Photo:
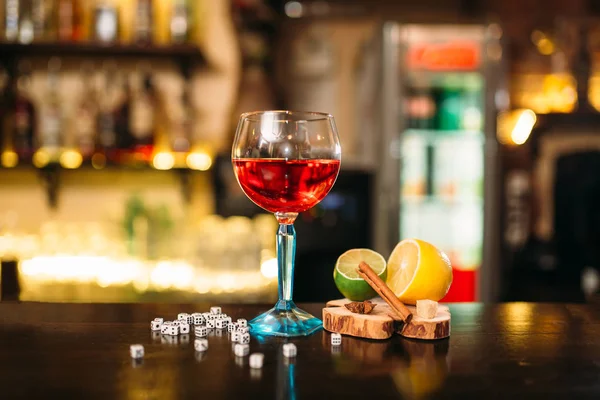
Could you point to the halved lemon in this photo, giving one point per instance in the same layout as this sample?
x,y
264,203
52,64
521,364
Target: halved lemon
x,y
418,270
347,280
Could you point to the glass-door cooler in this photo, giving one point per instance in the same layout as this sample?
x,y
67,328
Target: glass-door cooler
x,y
440,94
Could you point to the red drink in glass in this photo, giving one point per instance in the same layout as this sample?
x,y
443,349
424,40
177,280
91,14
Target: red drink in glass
x,y
280,185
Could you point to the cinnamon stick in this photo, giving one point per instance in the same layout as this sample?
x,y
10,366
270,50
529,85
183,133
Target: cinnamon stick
x,y
367,273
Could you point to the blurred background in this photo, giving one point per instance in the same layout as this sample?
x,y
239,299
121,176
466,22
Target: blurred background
x,y
470,124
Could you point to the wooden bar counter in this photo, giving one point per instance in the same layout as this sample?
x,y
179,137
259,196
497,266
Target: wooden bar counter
x,y
506,351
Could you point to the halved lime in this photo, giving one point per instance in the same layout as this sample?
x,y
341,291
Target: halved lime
x,y
346,278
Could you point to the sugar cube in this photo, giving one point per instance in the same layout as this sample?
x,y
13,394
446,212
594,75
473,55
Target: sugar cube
x,y
241,350
136,351
215,310
427,309
201,344
289,350
256,360
336,339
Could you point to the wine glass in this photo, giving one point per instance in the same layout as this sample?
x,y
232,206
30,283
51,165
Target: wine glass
x,y
286,162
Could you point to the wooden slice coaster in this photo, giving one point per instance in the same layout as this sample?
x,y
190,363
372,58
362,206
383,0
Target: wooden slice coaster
x,y
379,325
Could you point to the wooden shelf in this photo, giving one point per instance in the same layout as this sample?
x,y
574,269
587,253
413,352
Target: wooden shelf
x,y
186,51
50,175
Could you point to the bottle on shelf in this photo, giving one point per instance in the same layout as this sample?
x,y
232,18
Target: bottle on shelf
x,y
52,118
23,124
142,108
179,26
43,15
65,17
80,21
5,143
87,111
181,122
143,21
26,27
11,20
106,25
110,109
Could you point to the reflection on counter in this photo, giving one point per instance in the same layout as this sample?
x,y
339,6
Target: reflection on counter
x,y
225,259
417,368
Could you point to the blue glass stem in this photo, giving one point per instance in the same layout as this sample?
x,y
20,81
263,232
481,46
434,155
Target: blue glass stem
x,y
285,319
286,252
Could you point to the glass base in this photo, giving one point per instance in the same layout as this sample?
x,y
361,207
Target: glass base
x,y
285,319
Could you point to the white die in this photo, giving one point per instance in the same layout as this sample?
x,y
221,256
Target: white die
x,y
207,315
243,329
210,323
241,350
242,322
198,318
184,328
161,320
189,320
245,338
227,319
136,351
336,339
221,324
176,322
231,327
289,350
155,325
215,310
172,330
201,331
235,336
201,344
182,316
256,360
